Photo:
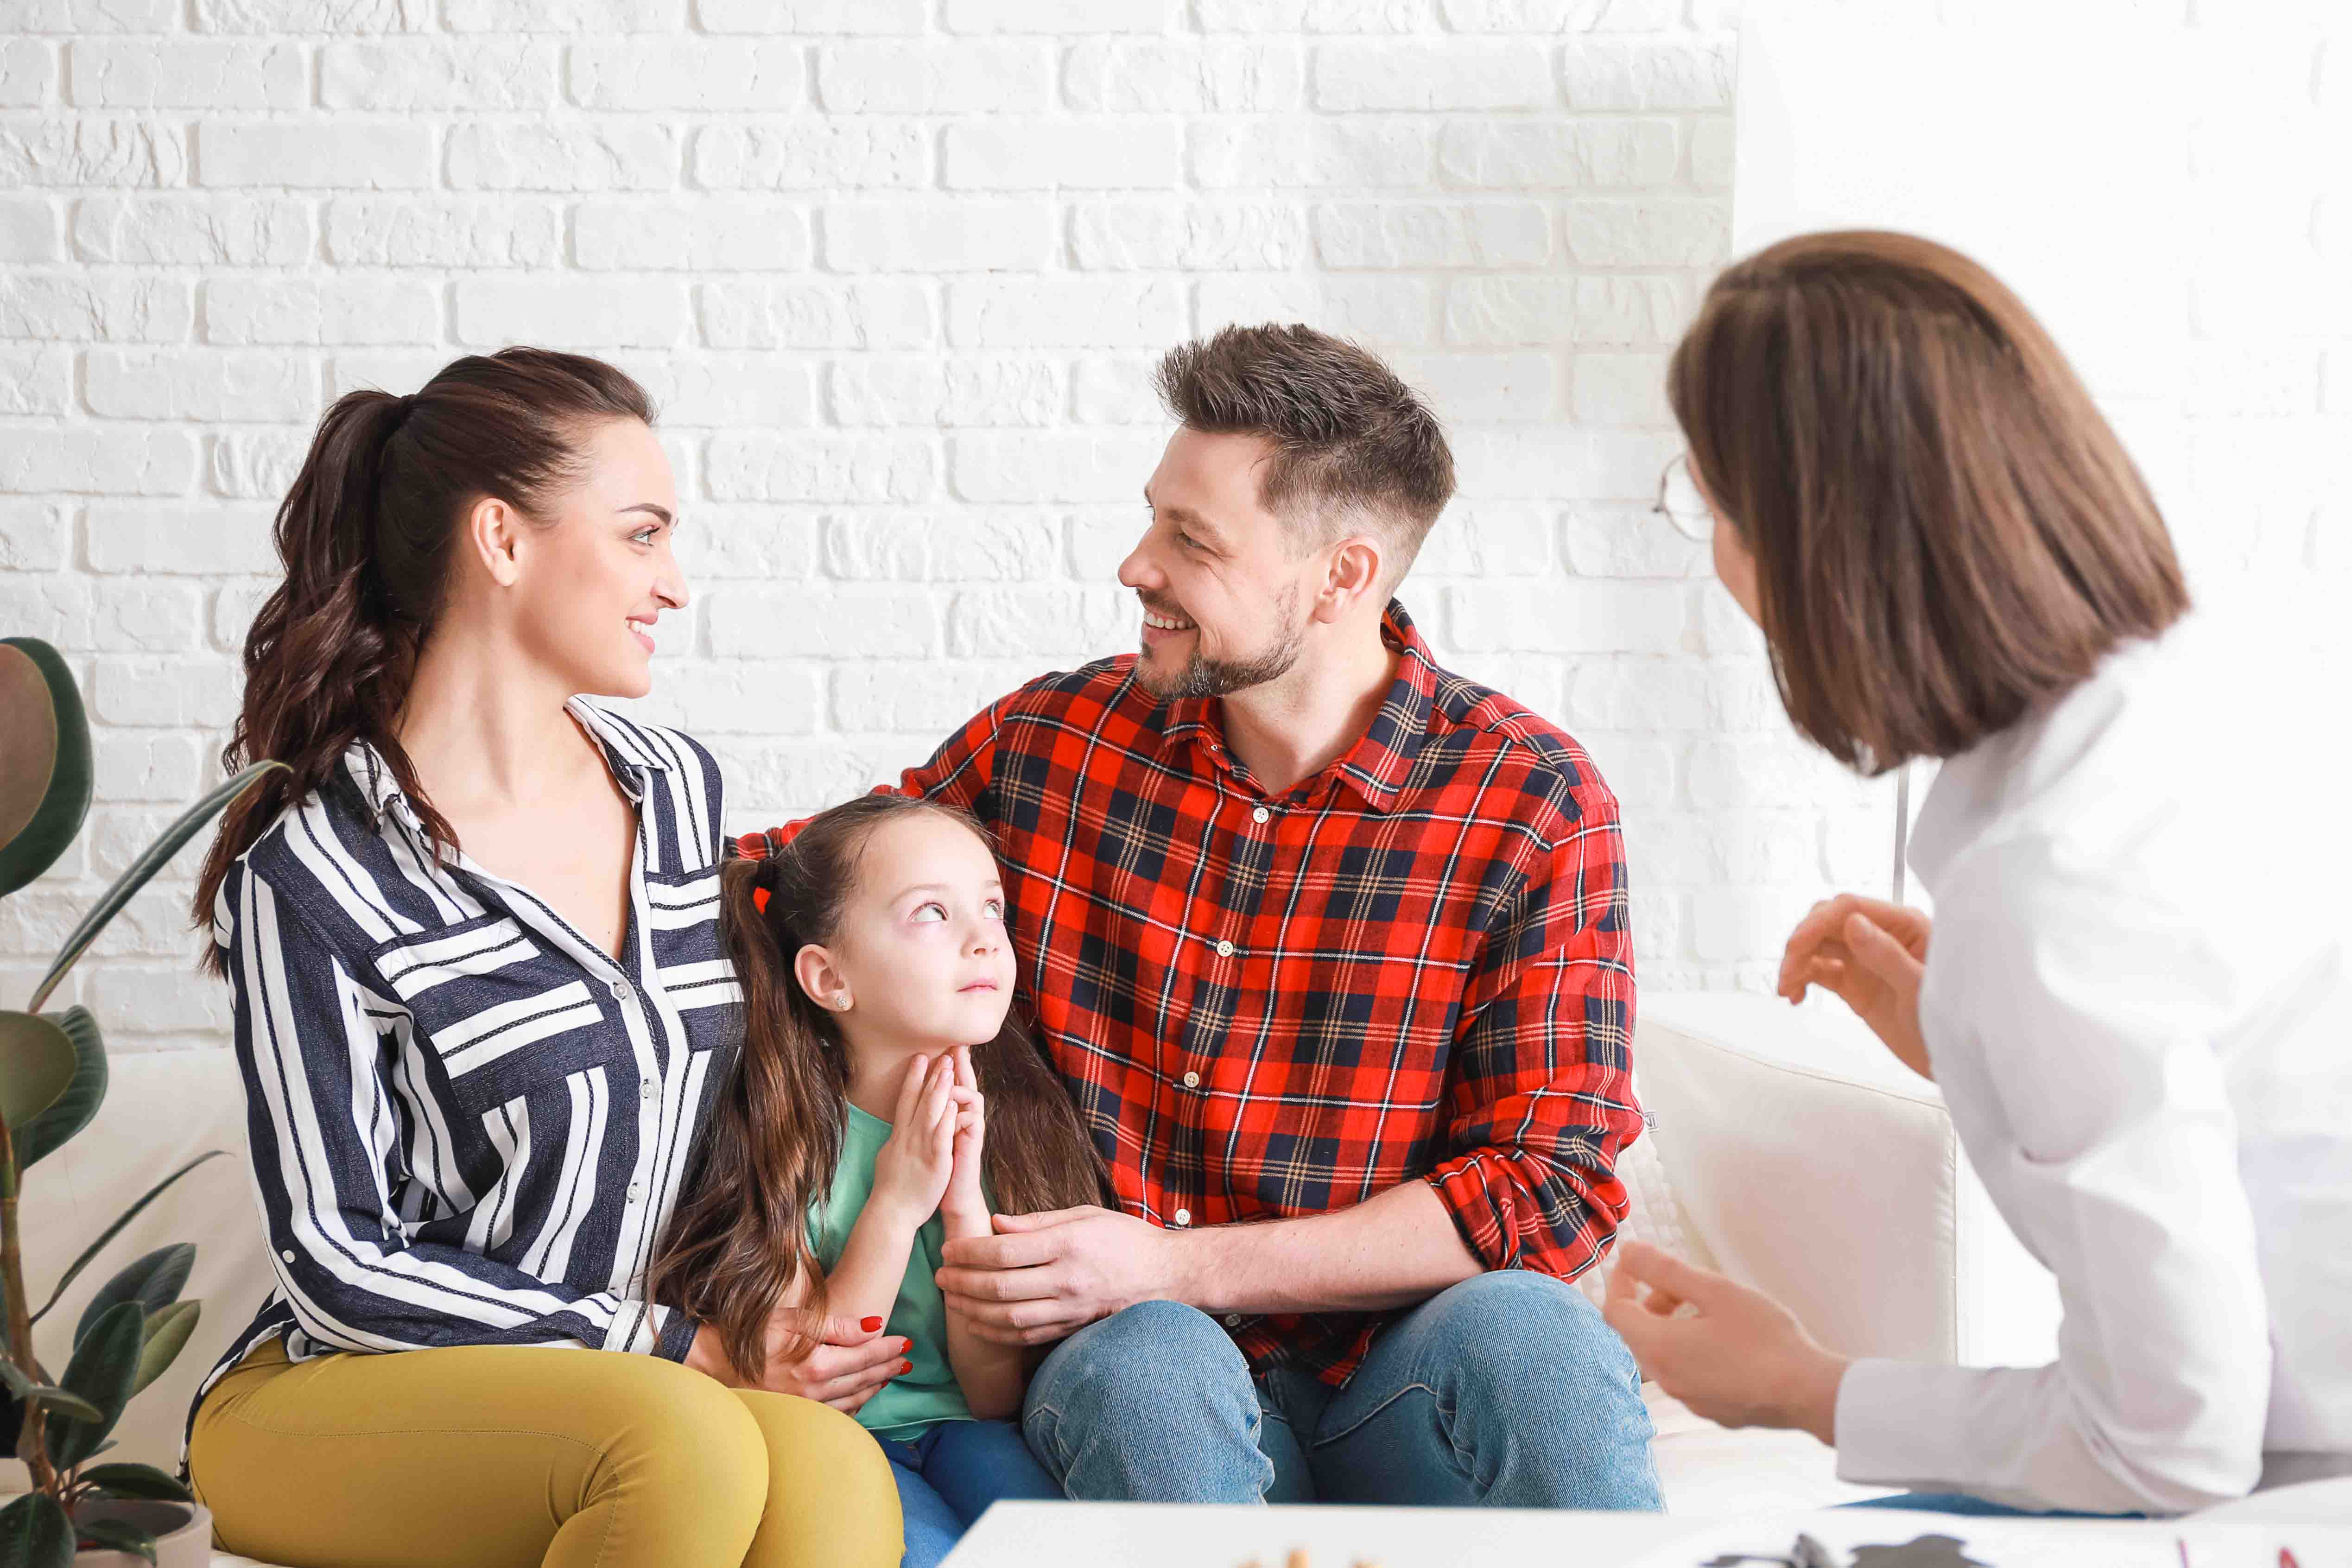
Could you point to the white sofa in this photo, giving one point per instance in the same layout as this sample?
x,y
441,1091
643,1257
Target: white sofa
x,y
1788,1150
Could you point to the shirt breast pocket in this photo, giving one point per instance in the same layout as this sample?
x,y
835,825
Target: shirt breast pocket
x,y
496,1010
682,931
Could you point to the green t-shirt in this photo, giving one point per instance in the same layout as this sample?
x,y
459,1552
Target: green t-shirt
x,y
912,1402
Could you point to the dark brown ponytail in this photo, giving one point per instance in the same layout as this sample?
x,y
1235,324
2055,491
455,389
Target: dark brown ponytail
x,y
365,536
738,1243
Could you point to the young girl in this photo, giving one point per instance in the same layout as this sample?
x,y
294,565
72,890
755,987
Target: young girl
x,y
883,1101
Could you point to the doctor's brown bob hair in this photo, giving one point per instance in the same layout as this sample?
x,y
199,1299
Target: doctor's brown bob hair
x,y
1947,533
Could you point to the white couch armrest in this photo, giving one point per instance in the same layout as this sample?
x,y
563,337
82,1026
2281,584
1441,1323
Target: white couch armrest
x,y
1804,1160
1811,1165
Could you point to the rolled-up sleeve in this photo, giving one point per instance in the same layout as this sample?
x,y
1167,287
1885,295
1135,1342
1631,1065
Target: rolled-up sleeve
x,y
323,1126
1541,1085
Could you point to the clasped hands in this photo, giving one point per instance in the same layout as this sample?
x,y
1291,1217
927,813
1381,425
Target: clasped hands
x,y
1018,1279
1732,1354
931,1165
1015,1279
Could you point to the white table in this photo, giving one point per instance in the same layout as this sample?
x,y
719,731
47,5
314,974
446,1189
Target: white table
x,y
1200,1535
1161,1535
2311,1502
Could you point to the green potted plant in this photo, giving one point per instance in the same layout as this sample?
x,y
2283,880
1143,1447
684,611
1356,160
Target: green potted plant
x,y
52,1081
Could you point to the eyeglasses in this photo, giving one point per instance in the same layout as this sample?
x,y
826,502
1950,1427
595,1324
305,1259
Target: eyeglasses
x,y
1680,504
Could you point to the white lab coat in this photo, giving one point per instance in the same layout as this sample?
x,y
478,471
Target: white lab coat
x,y
2138,1004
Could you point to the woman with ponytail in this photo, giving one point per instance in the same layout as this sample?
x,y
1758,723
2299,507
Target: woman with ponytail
x,y
482,1014
885,1101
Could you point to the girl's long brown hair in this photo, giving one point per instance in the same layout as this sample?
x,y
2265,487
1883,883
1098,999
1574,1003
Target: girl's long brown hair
x,y
738,1244
365,536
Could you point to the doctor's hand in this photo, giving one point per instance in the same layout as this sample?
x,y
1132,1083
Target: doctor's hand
x,y
1738,1359
1043,1277
1871,953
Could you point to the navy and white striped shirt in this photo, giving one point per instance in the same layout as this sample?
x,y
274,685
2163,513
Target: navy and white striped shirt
x,y
468,1123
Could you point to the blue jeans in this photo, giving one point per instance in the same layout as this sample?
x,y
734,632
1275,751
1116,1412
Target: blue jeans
x,y
1506,1390
949,1476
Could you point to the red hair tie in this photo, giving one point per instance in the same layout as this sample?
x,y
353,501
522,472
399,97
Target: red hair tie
x,y
760,900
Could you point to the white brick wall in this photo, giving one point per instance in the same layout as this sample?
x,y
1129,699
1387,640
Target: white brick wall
x,y
897,271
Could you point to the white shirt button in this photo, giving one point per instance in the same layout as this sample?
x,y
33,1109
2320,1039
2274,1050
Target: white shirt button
x,y
287,1256
1233,1320
1224,949
1184,1217
620,990
636,1191
1261,815
1191,1080
646,1089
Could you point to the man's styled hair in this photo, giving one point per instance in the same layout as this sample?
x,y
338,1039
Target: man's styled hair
x,y
1354,446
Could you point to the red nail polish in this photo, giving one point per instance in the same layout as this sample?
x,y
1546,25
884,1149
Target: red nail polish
x,y
905,1367
871,1325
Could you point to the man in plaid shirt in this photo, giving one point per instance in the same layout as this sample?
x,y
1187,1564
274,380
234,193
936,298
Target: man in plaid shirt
x,y
1331,947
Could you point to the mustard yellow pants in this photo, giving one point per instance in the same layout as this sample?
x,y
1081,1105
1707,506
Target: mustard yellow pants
x,y
503,1456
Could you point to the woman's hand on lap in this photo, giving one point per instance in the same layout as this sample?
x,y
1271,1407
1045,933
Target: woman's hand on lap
x,y
849,1364
1871,953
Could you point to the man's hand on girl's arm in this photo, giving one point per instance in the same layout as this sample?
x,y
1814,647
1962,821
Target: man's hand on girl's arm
x,y
1043,1277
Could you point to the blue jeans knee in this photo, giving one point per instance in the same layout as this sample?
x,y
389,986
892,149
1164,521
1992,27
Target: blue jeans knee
x,y
1153,1404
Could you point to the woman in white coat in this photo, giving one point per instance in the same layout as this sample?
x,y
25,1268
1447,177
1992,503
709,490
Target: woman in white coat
x,y
2137,993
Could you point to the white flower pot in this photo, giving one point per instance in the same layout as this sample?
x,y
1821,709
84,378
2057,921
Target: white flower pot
x,y
182,1532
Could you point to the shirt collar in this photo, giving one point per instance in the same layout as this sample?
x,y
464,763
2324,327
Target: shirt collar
x,y
1379,765
630,760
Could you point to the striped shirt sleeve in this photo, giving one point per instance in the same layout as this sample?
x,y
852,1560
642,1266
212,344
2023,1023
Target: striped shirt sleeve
x,y
325,1141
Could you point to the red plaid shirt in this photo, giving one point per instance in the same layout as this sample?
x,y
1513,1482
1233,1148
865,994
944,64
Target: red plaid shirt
x,y
1414,966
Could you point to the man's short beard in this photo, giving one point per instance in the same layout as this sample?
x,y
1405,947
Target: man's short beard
x,y
1202,678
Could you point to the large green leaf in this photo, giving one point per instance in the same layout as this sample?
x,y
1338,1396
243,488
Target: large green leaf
x,y
101,1369
44,760
22,1388
35,1534
112,1231
136,1481
36,1066
150,860
167,1333
120,1536
154,1282
53,1128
